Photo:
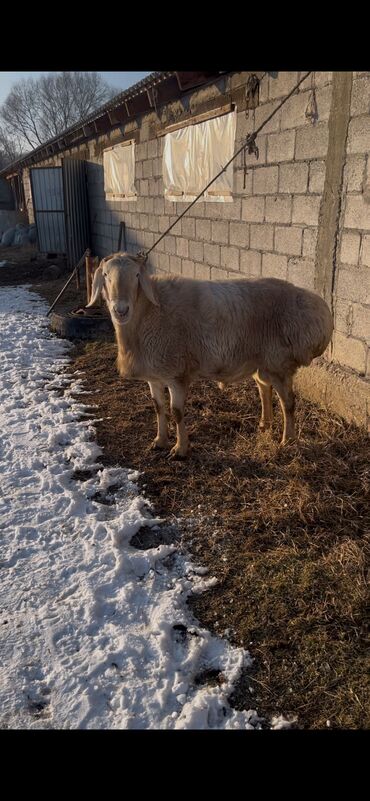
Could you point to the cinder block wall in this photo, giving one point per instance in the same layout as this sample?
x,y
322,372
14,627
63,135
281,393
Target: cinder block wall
x,y
352,279
272,226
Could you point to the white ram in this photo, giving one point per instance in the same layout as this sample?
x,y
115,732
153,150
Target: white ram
x,y
171,331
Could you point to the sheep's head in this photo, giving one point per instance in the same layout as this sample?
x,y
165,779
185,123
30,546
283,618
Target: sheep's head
x,y
119,279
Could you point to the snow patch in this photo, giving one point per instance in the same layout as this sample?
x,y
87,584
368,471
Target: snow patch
x,y
95,634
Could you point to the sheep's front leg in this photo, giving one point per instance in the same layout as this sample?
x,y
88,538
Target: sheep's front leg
x,y
159,400
265,391
178,392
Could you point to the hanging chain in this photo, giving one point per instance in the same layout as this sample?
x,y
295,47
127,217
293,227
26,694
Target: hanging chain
x,y
311,110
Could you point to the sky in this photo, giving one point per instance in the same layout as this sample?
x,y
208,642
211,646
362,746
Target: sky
x,y
119,80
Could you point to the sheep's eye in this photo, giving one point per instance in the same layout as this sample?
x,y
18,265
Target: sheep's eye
x,y
105,275
137,275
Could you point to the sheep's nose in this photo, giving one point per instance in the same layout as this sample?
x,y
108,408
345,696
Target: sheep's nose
x,y
120,312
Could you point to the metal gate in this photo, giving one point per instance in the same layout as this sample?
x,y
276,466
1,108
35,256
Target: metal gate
x,y
48,206
76,208
61,209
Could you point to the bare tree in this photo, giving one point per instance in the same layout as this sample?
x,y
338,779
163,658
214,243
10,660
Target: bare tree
x,y
38,110
10,149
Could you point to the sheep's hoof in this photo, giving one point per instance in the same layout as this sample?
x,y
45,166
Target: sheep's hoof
x,y
159,445
175,453
264,426
288,440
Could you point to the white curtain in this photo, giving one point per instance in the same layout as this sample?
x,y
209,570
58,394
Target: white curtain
x,y
119,171
193,155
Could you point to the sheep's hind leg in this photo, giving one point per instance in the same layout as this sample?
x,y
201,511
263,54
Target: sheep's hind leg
x,y
284,389
265,391
178,392
159,400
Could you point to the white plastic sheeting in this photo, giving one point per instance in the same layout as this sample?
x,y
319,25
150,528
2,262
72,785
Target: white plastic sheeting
x,y
193,155
119,171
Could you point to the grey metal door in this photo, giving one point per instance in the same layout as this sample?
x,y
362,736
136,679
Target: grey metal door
x,y
48,206
77,221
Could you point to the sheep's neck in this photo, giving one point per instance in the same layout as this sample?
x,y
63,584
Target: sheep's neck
x,y
126,354
128,341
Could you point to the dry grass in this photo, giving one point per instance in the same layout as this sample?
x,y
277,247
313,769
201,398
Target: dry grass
x,y
285,531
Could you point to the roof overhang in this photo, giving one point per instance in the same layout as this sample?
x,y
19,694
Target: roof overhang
x,y
149,94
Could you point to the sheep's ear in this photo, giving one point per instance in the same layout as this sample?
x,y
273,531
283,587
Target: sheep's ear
x,y
98,283
147,285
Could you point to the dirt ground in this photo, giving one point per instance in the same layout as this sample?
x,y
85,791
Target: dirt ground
x,y
285,532
26,266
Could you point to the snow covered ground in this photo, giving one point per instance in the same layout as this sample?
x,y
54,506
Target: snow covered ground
x,y
86,620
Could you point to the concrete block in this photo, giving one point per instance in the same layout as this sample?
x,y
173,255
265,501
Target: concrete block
x,y
261,237
188,227
354,173
288,240
317,176
353,284
306,209
212,254
230,258
158,205
293,178
312,141
182,246
218,275
239,234
262,112
278,209
274,266
170,245
309,242
282,84
253,209
242,187
148,169
357,213
365,251
359,135
280,146
265,180
350,352
196,251
352,319
360,98
203,272
250,263
301,272
350,248
152,148
220,231
188,268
